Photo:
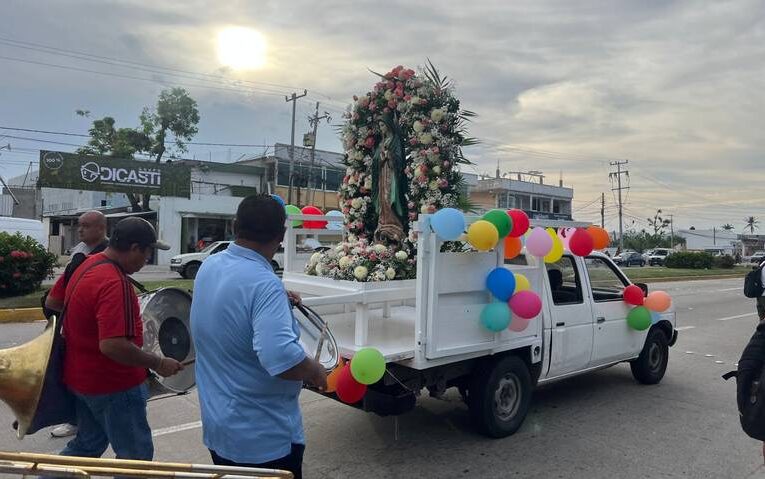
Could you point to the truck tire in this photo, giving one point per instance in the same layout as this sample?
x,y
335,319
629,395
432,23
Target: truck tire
x,y
650,366
191,270
499,396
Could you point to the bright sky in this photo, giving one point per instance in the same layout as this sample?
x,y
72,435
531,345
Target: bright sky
x,y
678,88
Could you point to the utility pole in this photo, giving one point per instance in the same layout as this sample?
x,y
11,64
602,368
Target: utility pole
x,y
602,210
672,231
618,176
292,99
314,122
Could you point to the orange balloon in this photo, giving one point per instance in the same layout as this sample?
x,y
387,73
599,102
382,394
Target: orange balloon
x,y
332,377
600,237
657,301
513,247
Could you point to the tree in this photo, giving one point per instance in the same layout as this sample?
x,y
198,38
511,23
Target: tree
x,y
728,227
658,223
752,223
175,115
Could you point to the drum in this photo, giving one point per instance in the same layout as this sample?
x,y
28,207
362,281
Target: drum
x,y
167,332
316,337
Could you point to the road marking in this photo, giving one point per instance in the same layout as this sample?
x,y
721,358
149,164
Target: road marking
x,y
173,429
737,317
719,362
709,355
684,328
727,289
689,352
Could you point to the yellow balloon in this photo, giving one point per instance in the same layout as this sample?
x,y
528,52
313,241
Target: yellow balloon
x,y
522,283
483,235
556,253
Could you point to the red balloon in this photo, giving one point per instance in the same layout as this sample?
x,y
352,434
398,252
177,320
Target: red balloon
x,y
580,243
520,223
313,225
348,389
634,295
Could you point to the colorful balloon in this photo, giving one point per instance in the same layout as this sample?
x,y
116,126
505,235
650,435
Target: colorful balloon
x,y
501,283
348,389
580,243
294,210
556,253
526,304
513,247
655,317
518,324
639,318
600,238
495,316
522,283
520,223
332,377
564,234
278,199
368,366
633,295
313,225
539,243
658,301
448,223
483,235
335,225
501,220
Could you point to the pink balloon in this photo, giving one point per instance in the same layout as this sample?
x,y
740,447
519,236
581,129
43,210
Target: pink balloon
x,y
539,243
565,235
518,324
525,304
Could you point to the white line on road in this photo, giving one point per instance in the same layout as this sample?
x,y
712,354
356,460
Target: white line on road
x,y
684,328
173,429
737,317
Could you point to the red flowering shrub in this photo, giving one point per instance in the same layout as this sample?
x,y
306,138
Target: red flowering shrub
x,y
24,263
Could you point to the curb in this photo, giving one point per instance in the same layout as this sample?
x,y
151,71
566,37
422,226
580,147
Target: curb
x,y
21,315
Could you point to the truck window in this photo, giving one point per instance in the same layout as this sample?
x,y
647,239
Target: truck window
x,y
565,285
607,283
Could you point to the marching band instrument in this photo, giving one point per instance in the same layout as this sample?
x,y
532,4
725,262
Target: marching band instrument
x,y
317,337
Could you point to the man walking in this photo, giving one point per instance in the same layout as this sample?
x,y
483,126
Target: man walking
x,y
250,365
761,303
104,365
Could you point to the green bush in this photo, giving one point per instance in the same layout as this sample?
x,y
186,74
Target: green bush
x,y
24,263
690,260
726,261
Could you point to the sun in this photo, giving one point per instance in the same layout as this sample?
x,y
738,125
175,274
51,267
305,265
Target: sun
x,y
241,48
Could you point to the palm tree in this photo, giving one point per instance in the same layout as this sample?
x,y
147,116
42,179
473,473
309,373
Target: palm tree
x,y
728,227
752,223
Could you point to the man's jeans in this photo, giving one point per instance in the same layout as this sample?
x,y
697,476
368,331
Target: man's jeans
x,y
118,419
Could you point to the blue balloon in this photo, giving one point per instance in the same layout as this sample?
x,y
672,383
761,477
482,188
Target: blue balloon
x,y
496,316
501,283
279,199
655,317
335,225
448,223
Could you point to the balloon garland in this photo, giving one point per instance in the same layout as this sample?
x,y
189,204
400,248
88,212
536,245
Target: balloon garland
x,y
647,308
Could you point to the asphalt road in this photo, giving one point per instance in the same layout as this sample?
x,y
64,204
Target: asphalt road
x,y
603,425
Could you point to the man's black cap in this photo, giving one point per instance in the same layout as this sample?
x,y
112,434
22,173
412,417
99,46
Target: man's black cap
x,y
137,230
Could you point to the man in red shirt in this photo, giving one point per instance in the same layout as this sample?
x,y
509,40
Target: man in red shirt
x,y
104,365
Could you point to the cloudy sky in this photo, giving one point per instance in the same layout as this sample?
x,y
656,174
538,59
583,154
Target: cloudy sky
x,y
676,87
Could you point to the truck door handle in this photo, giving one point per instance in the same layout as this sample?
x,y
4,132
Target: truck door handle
x,y
559,325
601,319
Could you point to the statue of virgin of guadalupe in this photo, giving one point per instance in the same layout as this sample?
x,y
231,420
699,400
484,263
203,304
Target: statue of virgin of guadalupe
x,y
388,184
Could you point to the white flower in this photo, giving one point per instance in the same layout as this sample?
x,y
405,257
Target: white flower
x,y
433,185
360,273
356,203
344,262
415,100
352,180
318,269
418,127
437,170
390,273
315,258
388,94
368,183
437,115
426,138
379,248
424,209
401,255
339,248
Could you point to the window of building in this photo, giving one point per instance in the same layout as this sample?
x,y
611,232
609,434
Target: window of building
x,y
540,204
522,202
505,200
561,207
607,284
565,284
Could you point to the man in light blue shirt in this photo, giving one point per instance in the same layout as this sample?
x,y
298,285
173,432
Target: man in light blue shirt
x,y
249,363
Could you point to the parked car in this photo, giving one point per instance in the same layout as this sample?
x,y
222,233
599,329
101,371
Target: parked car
x,y
630,259
658,256
187,265
758,257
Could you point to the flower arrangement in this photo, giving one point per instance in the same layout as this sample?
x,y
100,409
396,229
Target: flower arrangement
x,y
357,260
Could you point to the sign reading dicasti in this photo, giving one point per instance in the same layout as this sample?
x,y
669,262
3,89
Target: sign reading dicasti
x,y
100,173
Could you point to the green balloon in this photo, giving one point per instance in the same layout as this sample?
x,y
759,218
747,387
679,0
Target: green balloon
x,y
496,316
368,366
501,220
294,210
639,318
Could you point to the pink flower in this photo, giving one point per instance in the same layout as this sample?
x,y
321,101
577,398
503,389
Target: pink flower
x,y
392,104
346,211
411,205
412,216
422,179
372,106
17,275
435,150
369,142
386,110
390,85
355,116
413,141
373,256
399,93
423,169
446,164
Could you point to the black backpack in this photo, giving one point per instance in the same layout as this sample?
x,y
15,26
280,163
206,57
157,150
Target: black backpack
x,y
753,287
750,385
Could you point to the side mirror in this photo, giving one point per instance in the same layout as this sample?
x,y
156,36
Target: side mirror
x,y
643,286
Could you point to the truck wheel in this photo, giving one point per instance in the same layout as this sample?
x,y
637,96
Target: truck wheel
x,y
650,366
499,397
191,270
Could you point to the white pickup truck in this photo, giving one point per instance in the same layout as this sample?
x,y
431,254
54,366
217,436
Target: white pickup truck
x,y
429,332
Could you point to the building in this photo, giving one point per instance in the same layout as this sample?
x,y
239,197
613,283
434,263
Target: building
x,y
317,175
537,199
